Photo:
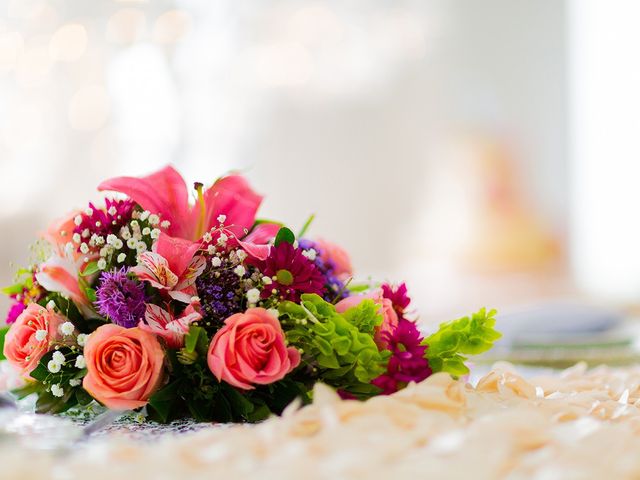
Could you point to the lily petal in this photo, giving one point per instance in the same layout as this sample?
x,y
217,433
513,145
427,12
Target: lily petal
x,y
263,233
163,193
233,197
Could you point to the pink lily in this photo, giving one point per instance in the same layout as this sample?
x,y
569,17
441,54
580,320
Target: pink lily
x,y
165,193
162,323
61,274
229,198
256,243
172,266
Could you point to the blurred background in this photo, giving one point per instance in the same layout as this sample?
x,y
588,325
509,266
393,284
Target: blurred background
x,y
484,151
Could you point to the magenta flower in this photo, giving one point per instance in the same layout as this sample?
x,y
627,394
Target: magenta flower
x,y
292,273
14,312
407,362
398,296
104,221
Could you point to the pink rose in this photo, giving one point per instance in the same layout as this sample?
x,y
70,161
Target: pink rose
x,y
389,315
251,349
30,337
338,256
124,366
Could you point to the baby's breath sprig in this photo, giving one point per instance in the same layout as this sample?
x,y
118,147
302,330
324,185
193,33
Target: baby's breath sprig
x,y
122,247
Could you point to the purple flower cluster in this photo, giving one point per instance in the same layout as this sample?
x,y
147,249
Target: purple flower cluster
x,y
220,292
104,221
120,298
335,288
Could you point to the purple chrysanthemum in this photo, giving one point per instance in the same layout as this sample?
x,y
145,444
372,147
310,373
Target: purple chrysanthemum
x,y
293,274
335,288
220,292
407,362
107,220
120,298
14,312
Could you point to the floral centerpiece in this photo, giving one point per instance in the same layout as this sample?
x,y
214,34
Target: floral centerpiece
x,y
198,309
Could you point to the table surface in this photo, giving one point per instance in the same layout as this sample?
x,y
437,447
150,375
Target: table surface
x,y
512,424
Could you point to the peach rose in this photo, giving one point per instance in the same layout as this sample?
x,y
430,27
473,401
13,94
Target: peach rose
x,y
389,315
124,366
30,337
338,256
250,349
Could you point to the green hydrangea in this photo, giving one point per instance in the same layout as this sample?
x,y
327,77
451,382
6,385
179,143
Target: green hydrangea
x,y
341,346
448,347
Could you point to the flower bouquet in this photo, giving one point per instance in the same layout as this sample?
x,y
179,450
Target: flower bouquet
x,y
198,309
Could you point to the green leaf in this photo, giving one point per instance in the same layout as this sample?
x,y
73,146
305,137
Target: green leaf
x,y
83,397
90,269
163,400
284,235
48,403
191,338
13,289
91,294
240,404
260,221
449,346
41,372
306,226
3,333
200,410
28,389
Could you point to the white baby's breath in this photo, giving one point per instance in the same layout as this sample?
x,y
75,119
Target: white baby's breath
x,y
80,362
66,329
53,366
58,357
57,390
253,295
81,339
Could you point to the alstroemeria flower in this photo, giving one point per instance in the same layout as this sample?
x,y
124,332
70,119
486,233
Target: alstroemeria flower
x,y
172,266
162,323
62,274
